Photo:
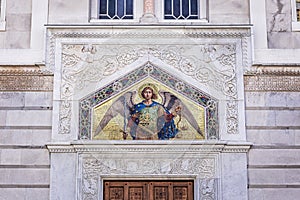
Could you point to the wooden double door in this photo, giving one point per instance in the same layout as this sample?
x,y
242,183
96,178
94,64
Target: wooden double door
x,y
149,190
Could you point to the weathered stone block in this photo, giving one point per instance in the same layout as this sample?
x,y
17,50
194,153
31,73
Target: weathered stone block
x,y
25,137
76,11
274,176
297,137
24,193
3,115
12,99
272,99
274,157
43,99
20,6
13,193
272,118
24,157
29,118
287,118
18,22
24,176
236,11
279,22
281,40
273,137
2,39
260,118
274,193
18,40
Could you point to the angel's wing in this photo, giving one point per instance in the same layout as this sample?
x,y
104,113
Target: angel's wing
x,y
170,102
121,106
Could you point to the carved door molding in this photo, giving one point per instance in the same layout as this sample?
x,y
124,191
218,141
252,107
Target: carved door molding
x,y
149,190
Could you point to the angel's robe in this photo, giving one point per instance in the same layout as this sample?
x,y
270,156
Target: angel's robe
x,y
151,122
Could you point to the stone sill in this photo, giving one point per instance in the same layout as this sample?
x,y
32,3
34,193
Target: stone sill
x,y
151,22
151,26
295,26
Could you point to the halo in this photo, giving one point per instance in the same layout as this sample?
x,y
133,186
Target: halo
x,y
153,86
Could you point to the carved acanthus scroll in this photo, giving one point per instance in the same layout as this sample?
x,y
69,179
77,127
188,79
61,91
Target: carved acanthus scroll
x,y
94,168
82,65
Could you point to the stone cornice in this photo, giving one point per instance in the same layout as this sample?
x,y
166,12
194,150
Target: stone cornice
x,y
149,147
29,70
142,26
285,70
144,32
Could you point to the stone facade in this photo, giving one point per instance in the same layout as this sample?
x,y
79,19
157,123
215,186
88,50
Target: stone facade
x,y
253,74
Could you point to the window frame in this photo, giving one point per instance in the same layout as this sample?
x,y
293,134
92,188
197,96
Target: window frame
x,y
2,15
202,10
138,11
94,13
295,22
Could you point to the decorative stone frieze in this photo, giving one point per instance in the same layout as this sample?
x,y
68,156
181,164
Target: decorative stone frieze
x,y
95,168
273,78
215,64
213,32
178,148
25,78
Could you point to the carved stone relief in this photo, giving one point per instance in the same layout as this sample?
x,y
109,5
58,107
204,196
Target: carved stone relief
x,y
24,78
96,167
211,64
94,58
214,65
273,78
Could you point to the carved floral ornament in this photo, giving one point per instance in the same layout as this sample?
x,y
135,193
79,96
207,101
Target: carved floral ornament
x,y
199,161
95,168
213,65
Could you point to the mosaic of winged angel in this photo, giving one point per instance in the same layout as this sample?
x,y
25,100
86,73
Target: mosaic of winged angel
x,y
149,119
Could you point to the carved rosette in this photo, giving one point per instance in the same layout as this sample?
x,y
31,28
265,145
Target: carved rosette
x,y
94,168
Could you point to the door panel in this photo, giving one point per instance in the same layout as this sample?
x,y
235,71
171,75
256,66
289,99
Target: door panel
x,y
148,190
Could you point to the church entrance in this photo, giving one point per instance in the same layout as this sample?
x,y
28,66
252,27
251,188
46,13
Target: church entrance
x,y
149,190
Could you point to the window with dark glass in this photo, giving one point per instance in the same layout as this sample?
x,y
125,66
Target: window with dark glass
x,y
181,9
116,9
0,7
298,10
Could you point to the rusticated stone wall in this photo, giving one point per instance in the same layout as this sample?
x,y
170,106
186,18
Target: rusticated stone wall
x,y
272,97
25,128
272,124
